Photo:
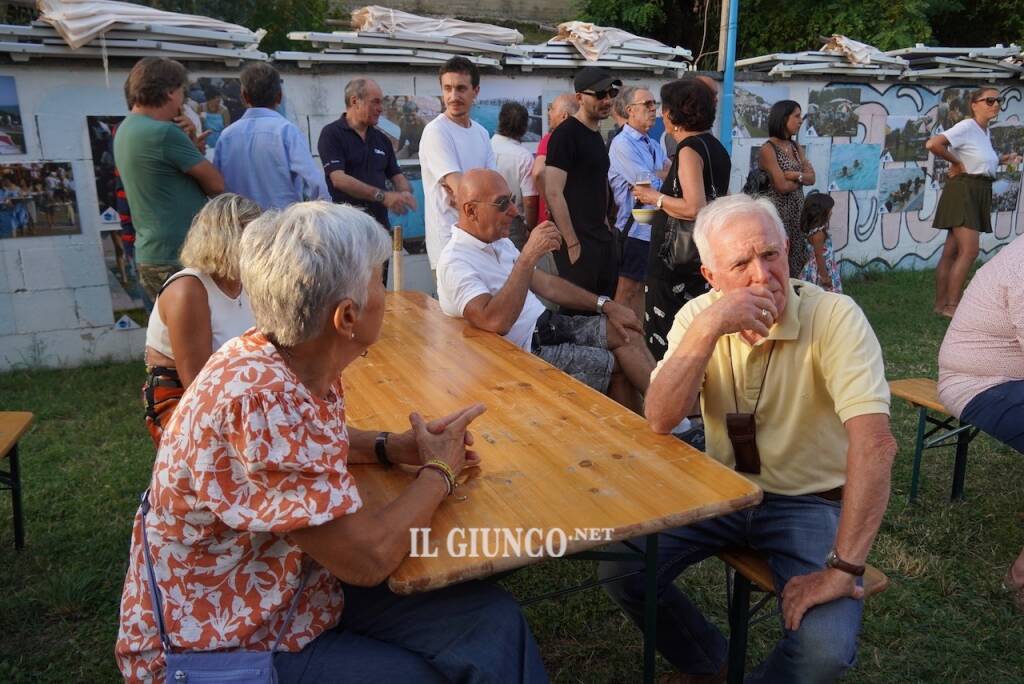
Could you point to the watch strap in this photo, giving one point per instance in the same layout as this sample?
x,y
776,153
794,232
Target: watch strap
x,y
834,561
380,448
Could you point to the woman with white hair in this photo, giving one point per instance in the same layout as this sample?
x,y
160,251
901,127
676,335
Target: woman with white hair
x,y
257,538
199,308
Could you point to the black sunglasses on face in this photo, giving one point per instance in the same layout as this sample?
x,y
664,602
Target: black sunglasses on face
x,y
990,100
502,204
601,94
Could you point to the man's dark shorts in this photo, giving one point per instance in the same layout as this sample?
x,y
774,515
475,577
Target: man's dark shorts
x,y
633,264
577,345
597,269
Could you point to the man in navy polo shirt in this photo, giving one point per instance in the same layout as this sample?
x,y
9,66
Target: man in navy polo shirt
x,y
359,159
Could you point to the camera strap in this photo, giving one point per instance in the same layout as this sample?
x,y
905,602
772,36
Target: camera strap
x,y
732,374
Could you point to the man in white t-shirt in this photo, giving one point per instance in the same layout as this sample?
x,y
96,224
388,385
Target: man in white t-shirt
x,y
483,278
515,164
451,145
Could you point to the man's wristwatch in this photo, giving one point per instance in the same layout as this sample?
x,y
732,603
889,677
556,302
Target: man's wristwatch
x,y
601,301
834,561
661,201
378,196
380,448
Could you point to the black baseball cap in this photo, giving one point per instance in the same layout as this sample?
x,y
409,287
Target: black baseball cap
x,y
594,78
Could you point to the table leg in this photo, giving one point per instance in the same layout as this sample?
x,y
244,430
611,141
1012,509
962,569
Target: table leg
x,y
963,441
739,621
19,522
922,415
650,607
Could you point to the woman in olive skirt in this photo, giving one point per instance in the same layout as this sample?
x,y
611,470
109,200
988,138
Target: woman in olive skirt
x,y
965,207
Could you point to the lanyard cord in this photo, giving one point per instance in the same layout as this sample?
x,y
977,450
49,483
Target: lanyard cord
x,y
732,374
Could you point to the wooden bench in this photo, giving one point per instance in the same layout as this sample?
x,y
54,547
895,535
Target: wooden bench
x,y
922,393
752,572
13,424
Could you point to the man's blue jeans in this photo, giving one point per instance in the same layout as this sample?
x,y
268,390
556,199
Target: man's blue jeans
x,y
470,632
796,533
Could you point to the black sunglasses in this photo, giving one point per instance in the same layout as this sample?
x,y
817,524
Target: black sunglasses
x,y
990,100
601,94
502,204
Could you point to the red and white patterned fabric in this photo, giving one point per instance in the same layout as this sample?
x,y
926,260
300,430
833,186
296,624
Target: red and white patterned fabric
x,y
248,456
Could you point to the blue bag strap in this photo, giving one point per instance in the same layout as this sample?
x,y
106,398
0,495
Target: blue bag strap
x,y
157,598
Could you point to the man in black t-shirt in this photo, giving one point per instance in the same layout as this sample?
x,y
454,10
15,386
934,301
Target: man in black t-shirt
x,y
576,187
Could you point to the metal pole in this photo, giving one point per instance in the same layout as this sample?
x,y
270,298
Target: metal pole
x,y
725,131
723,34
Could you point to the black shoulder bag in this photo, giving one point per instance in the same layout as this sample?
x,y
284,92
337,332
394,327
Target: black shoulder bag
x,y
678,248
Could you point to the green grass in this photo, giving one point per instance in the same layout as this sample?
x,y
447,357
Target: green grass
x,y
942,620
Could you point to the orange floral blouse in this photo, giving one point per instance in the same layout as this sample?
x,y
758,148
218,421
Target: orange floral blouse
x,y
248,455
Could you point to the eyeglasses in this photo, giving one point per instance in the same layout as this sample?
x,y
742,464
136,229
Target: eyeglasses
x,y
602,94
990,100
649,104
502,204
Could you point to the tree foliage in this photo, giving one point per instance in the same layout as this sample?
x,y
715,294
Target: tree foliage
x,y
767,26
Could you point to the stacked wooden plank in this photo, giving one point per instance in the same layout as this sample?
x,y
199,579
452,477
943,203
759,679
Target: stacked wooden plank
x,y
816,62
973,63
407,48
40,40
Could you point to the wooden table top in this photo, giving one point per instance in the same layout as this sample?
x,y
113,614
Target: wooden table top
x,y
13,424
555,453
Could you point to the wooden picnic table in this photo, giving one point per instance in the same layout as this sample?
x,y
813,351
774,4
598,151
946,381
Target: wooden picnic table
x,y
556,455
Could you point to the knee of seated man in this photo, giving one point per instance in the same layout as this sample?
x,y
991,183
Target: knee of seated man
x,y
494,607
826,643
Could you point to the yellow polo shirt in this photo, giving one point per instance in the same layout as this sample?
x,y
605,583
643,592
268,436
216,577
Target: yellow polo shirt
x,y
826,368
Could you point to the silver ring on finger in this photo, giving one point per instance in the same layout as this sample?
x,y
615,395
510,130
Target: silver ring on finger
x,y
765,315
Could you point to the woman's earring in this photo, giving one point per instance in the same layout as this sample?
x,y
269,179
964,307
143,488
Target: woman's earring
x,y
353,336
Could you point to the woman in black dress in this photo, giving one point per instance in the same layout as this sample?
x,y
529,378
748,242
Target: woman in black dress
x,y
786,162
701,166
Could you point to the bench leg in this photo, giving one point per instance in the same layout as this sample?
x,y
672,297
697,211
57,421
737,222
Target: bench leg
x,y
19,521
650,607
739,617
922,420
963,441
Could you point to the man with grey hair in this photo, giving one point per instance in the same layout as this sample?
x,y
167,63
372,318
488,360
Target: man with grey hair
x,y
263,155
792,389
359,160
634,159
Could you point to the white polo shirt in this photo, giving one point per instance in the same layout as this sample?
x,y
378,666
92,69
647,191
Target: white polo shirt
x,y
468,268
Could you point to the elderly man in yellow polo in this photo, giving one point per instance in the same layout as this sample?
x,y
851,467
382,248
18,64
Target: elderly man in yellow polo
x,y
792,389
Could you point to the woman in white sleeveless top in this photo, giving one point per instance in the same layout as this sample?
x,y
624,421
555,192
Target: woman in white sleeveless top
x,y
199,308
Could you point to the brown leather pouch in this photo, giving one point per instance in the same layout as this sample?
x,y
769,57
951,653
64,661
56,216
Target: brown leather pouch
x,y
742,431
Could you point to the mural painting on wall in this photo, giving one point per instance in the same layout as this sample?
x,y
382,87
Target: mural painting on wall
x,y
1006,190
854,166
218,102
753,104
905,137
901,189
412,222
867,145
403,119
486,112
38,199
12,132
954,107
832,111
101,142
